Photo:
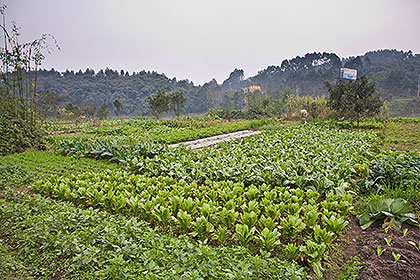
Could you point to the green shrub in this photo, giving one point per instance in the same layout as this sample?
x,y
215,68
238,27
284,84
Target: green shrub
x,y
18,135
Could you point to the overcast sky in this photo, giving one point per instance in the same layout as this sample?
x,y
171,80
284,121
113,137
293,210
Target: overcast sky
x,y
204,39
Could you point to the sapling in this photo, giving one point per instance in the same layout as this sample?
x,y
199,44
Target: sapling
x,y
415,245
397,257
380,251
388,241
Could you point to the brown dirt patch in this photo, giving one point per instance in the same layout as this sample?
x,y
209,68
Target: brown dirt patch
x,y
384,267
62,131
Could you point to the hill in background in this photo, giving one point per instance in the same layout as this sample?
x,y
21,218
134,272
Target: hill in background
x,y
396,73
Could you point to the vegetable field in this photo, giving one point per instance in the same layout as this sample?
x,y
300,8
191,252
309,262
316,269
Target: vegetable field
x,y
307,157
118,203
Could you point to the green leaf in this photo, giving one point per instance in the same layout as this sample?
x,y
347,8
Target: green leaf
x,y
400,206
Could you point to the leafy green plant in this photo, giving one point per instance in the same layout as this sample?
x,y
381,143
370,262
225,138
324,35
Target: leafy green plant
x,y
244,234
133,202
146,210
201,227
415,245
268,239
228,218
291,226
334,224
379,251
313,254
267,222
163,214
249,219
292,251
390,212
311,218
183,220
322,235
221,235
189,205
397,257
393,170
388,241
273,210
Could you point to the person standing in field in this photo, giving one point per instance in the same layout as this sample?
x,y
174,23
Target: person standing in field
x,y
304,114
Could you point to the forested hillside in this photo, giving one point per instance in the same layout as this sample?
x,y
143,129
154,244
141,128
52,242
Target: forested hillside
x,y
88,88
396,74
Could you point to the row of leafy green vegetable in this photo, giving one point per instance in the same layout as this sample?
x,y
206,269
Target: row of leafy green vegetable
x,y
113,149
392,170
19,170
53,125
133,126
367,123
272,218
308,157
120,149
141,125
52,239
170,131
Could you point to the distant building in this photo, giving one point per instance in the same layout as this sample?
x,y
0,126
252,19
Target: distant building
x,y
251,88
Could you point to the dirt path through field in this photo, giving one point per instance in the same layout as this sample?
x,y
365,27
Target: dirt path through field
x,y
209,141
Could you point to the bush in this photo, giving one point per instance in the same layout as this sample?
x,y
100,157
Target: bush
x,y
18,135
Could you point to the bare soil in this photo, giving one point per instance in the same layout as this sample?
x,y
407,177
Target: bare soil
x,y
62,131
365,243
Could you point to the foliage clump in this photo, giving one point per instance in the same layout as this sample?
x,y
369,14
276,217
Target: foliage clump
x,y
18,106
354,99
389,212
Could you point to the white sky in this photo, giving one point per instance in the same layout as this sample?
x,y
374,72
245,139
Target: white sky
x,y
204,39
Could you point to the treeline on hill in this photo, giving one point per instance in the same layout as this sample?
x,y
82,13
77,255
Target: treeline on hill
x,y
396,72
89,90
91,94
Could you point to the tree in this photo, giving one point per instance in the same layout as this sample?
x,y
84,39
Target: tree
x,y
354,99
177,102
90,110
117,106
18,81
159,103
103,112
74,109
227,103
47,104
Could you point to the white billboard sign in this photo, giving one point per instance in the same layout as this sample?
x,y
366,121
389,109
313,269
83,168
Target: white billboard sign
x,y
349,74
